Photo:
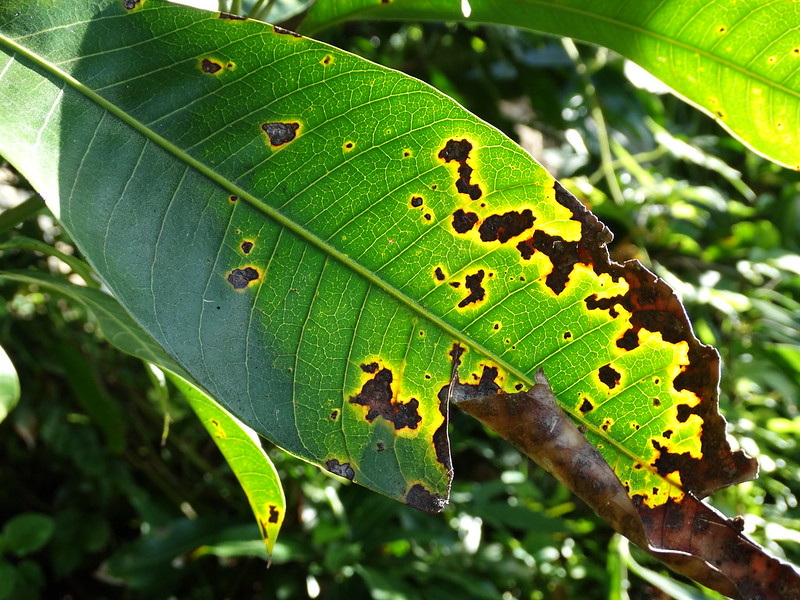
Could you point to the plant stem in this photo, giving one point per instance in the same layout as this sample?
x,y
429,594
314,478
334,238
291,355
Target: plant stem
x,y
22,212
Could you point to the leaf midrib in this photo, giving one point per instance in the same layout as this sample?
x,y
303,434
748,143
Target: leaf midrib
x,y
296,229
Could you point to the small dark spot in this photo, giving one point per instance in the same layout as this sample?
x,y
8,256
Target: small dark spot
x,y
231,17
406,153
334,415
340,469
464,221
130,4
476,291
609,376
684,411
667,434
719,114
439,274
280,133
522,278
796,50
501,228
722,30
458,150
636,426
232,199
427,376
586,406
657,381
349,145
241,278
629,340
737,523
274,514
496,326
434,187
606,424
370,368
386,1
284,31
327,60
416,201
421,334
455,284
380,447
655,491
420,498
519,387
246,247
210,66
219,307
656,402
637,466
567,335
428,216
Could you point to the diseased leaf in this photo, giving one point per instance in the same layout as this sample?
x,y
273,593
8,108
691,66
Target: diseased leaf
x,y
736,61
684,533
238,444
248,461
316,236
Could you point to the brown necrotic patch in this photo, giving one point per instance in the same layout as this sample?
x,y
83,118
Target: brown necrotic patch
x,y
280,133
464,221
210,66
501,228
609,376
586,406
420,498
241,278
130,4
326,60
416,201
376,394
274,514
340,469
476,292
231,17
233,199
246,246
439,274
655,308
628,341
458,151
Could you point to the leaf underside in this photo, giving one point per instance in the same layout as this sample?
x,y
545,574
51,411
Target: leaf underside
x,y
331,249
736,61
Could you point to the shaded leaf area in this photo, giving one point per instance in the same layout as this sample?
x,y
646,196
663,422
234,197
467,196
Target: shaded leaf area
x,y
314,278
737,62
240,447
684,533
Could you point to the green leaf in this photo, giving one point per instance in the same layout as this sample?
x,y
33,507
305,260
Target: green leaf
x,y
332,249
26,533
241,449
251,465
735,61
9,385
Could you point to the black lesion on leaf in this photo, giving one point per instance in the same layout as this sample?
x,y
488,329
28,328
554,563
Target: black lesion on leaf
x,y
464,221
667,434
376,394
629,340
274,514
231,17
567,335
246,246
609,376
501,228
458,150
241,278
586,406
439,274
476,292
209,66
684,412
280,133
130,4
334,415
421,499
340,469
380,447
416,201
284,31
233,199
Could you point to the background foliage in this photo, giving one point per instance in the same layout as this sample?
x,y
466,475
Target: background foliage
x,y
113,489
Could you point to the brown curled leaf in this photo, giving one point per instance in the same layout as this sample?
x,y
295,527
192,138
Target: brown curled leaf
x,y
687,535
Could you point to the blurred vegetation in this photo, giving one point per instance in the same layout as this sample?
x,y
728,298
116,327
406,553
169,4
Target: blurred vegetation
x,y
112,489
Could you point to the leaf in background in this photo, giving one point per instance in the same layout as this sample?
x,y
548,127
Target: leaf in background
x,y
736,61
684,533
327,245
248,461
9,385
251,465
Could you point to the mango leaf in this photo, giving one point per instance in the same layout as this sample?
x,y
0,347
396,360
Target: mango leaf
x,y
238,444
9,385
326,246
735,61
684,533
242,449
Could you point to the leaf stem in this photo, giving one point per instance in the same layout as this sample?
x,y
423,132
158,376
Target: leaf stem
x,y
22,212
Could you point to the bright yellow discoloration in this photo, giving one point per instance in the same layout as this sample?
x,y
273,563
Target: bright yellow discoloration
x,y
671,489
